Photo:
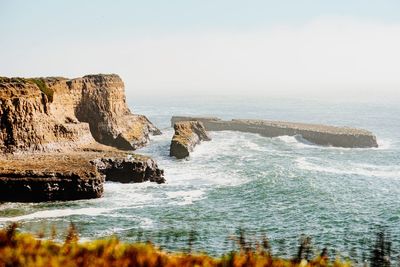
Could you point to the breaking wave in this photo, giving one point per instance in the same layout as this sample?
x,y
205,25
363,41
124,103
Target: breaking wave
x,y
56,213
350,168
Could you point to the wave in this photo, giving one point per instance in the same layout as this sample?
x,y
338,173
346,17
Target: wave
x,y
384,144
141,221
14,205
56,213
296,140
299,142
368,170
186,197
186,174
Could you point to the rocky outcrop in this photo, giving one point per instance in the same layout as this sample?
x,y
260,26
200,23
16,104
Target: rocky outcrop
x,y
27,124
49,129
50,114
71,175
103,106
130,170
315,133
187,135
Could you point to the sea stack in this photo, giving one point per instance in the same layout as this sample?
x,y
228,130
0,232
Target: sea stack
x,y
61,138
187,135
318,134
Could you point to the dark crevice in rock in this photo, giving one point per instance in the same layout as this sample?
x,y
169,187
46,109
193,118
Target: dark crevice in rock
x,y
6,125
44,102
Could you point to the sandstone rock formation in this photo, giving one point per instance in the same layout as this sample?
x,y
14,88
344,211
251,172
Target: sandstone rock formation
x,y
187,135
71,175
129,169
45,177
54,113
314,133
49,129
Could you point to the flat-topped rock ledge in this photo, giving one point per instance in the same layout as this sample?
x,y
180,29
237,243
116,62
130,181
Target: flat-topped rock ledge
x,y
48,178
187,135
315,133
71,175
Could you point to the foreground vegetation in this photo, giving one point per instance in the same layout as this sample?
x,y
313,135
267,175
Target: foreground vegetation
x,y
21,249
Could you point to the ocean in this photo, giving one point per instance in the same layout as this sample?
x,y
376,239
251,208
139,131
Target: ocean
x,y
282,187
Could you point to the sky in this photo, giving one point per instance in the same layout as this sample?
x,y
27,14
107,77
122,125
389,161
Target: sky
x,y
341,48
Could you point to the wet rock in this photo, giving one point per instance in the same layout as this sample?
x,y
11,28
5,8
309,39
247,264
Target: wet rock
x,y
130,170
187,135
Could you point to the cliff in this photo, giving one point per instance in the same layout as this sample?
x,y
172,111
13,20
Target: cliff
x,y
61,138
55,113
187,135
315,133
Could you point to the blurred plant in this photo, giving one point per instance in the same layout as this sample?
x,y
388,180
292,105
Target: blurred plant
x,y
381,251
304,251
21,249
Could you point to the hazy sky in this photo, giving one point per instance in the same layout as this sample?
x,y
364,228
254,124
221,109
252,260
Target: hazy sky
x,y
317,48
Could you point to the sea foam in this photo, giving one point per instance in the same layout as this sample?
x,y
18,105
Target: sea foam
x,y
350,168
55,213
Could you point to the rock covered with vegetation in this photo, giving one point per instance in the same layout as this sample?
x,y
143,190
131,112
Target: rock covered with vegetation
x,y
187,135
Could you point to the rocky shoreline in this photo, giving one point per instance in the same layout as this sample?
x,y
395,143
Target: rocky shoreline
x,y
315,133
62,138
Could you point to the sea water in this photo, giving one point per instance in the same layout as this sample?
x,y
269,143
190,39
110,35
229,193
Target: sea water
x,y
280,187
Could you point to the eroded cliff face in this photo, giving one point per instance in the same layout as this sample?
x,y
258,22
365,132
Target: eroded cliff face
x,y
28,124
50,114
62,138
103,106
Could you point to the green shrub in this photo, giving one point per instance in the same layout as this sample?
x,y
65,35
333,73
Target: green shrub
x,y
43,87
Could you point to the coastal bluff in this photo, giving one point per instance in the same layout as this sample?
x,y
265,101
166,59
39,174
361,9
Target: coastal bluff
x,y
60,138
54,113
324,135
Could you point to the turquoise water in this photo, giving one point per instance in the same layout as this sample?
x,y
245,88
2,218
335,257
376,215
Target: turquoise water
x,y
275,186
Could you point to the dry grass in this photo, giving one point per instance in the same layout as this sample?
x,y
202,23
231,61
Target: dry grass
x,y
17,249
